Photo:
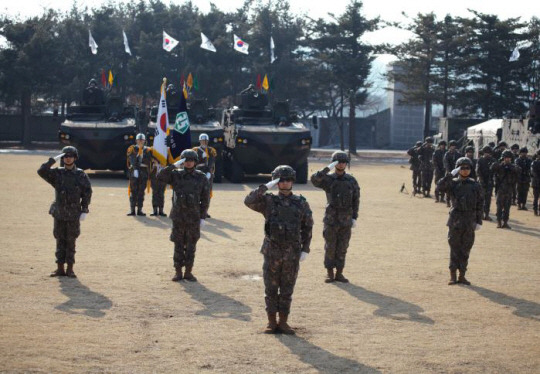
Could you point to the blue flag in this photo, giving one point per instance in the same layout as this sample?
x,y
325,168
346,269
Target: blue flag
x,y
181,133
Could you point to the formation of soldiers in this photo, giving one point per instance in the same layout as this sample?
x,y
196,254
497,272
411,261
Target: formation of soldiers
x,y
467,185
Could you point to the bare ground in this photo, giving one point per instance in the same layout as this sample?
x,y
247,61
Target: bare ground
x,y
124,315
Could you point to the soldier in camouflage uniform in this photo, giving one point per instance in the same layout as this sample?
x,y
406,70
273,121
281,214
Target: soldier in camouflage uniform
x,y
515,154
506,173
524,178
139,163
288,230
415,167
469,153
207,160
191,196
440,172
72,197
158,190
535,174
425,155
449,160
343,201
465,216
498,151
485,177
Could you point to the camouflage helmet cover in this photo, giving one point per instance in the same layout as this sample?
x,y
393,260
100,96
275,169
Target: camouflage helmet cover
x,y
442,142
452,143
524,150
189,154
463,161
429,139
514,146
487,149
340,156
469,149
508,154
72,150
284,171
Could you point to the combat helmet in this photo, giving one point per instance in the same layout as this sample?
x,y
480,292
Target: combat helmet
x,y
452,143
469,149
340,156
442,142
189,155
71,150
284,171
204,136
502,144
92,82
429,140
508,154
463,161
418,143
487,149
524,150
514,146
140,136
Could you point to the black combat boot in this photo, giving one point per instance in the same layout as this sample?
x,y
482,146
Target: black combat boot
x,y
340,277
487,217
69,271
132,213
523,207
519,206
161,212
188,275
141,213
506,226
462,279
283,326
272,326
155,212
536,211
178,276
453,277
59,272
499,224
330,275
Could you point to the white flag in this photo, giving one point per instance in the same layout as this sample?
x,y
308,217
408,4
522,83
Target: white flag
x,y
515,55
207,44
159,148
126,45
92,43
168,42
272,46
240,45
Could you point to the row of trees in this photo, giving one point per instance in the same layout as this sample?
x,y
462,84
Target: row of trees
x,y
322,65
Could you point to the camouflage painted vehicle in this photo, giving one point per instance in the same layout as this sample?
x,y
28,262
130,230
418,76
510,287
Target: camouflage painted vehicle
x,y
202,120
101,132
259,137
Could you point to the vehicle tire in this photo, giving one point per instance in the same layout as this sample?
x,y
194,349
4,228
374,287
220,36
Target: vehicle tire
x,y
302,173
218,174
236,172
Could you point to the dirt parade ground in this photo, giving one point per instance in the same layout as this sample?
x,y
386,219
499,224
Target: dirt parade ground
x,y
397,315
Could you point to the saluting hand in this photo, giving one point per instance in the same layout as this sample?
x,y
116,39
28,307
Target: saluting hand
x,y
332,165
272,183
180,162
58,157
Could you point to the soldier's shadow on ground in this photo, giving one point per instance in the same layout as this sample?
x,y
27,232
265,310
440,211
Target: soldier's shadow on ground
x,y
523,308
218,227
525,230
216,305
108,179
153,221
322,360
82,300
388,306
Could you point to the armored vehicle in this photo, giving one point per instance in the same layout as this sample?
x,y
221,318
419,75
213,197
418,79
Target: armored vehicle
x,y
259,137
102,128
202,120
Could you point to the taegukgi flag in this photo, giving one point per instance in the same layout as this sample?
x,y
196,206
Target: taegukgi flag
x,y
159,149
92,43
169,42
240,45
207,44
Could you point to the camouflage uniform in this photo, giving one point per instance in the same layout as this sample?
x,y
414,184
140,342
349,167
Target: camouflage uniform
x,y
535,173
288,229
139,159
449,160
524,180
72,197
507,176
466,212
415,167
343,202
158,190
485,177
189,205
440,172
207,162
425,155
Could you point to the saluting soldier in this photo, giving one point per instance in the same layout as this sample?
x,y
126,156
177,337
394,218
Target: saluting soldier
x,y
191,196
469,153
139,163
524,178
515,154
72,198
288,230
415,167
465,216
207,160
506,174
